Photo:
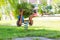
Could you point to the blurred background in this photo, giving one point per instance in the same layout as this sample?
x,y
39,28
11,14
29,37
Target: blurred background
x,y
9,9
47,24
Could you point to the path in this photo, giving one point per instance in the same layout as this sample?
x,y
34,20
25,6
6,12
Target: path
x,y
34,38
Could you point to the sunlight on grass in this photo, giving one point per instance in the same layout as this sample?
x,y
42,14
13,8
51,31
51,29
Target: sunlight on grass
x,y
9,22
47,24
40,24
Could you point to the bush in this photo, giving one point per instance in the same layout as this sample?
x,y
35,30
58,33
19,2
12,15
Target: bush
x,y
41,9
27,8
45,9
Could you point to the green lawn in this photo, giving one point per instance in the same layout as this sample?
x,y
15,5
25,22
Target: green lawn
x,y
47,24
44,28
13,32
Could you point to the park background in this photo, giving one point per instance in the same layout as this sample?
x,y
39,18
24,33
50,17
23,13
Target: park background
x,y
46,25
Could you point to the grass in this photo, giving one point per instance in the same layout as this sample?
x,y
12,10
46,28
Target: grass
x,y
40,28
47,24
14,32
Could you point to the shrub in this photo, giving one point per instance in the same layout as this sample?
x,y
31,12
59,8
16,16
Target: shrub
x,y
27,8
45,9
41,9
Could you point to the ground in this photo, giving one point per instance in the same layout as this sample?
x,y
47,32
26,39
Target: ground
x,y
52,23
43,26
